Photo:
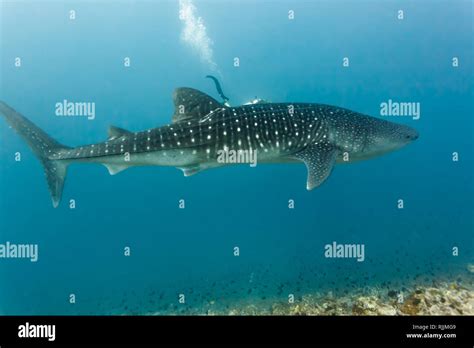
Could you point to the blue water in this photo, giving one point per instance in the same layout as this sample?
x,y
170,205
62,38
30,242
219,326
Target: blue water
x,y
190,251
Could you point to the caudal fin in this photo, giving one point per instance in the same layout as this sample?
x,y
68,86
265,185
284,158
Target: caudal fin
x,y
43,146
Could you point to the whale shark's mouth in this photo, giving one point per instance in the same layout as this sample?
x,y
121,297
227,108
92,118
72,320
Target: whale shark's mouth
x,y
411,134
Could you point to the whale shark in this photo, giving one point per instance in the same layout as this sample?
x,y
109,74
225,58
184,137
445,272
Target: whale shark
x,y
317,135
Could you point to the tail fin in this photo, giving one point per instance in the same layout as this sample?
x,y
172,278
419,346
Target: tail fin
x,y
43,146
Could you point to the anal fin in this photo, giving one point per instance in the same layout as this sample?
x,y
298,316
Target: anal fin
x,y
115,168
191,170
319,159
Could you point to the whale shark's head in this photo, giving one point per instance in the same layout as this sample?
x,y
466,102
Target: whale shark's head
x,y
387,137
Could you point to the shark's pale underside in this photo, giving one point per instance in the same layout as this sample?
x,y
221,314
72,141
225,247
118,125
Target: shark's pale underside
x,y
315,134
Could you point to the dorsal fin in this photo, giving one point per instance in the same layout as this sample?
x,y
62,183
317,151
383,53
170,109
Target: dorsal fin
x,y
189,103
117,132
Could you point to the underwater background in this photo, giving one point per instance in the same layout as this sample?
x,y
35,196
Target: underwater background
x,y
190,251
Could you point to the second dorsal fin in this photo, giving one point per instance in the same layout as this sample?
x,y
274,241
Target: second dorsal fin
x,y
117,132
189,103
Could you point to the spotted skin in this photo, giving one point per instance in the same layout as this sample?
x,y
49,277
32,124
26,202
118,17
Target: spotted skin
x,y
270,130
316,134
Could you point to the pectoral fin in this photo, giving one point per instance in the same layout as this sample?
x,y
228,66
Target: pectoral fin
x,y
319,159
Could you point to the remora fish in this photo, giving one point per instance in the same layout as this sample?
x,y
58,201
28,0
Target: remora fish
x,y
316,134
